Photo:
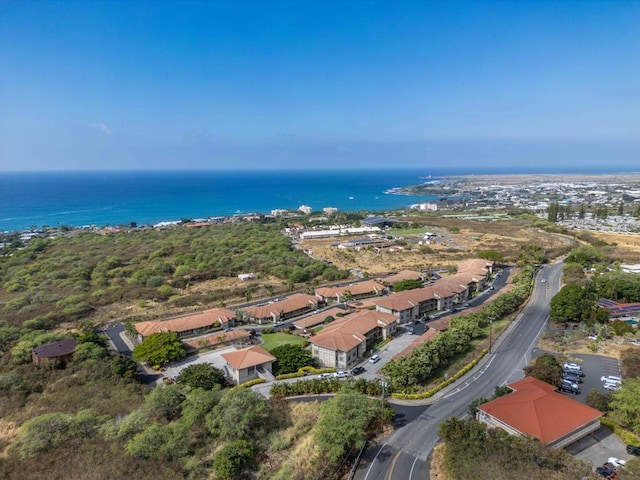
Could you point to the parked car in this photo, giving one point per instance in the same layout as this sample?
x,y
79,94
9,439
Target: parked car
x,y
374,358
617,462
605,472
611,379
612,387
544,280
572,377
571,387
278,324
341,374
633,450
325,375
410,329
573,368
357,370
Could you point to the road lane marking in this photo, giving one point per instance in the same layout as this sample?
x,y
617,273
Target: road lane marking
x,y
412,467
393,464
466,384
374,461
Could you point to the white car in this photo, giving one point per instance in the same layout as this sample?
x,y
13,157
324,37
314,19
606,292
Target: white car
x,y
544,280
617,462
341,374
325,375
612,387
611,379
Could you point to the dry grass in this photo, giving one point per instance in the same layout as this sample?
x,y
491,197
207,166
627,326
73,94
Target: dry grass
x,y
438,468
626,246
568,342
469,237
293,450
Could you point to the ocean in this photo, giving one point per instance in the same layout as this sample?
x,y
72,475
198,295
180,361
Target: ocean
x,y
33,200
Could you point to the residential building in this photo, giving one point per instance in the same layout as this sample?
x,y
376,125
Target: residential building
x,y
345,341
248,364
535,408
291,306
316,319
189,325
357,290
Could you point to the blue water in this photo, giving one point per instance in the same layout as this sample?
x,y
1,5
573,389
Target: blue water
x,y
147,197
114,198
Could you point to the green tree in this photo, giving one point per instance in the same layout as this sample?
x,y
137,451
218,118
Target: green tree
x,y
123,366
164,402
546,368
42,432
625,406
233,459
202,375
599,400
552,212
167,442
290,358
570,304
403,285
343,424
582,211
240,414
159,348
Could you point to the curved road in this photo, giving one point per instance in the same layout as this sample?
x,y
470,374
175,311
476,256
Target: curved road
x,y
405,453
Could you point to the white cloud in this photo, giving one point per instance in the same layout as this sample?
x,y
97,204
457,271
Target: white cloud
x,y
102,127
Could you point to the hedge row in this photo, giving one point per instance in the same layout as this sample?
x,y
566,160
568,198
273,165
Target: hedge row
x,y
440,386
626,436
304,371
253,382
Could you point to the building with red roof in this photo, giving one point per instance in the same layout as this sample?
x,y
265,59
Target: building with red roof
x,y
290,306
344,341
249,363
535,408
189,325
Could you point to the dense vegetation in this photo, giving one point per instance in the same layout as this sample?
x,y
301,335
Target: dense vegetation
x,y
66,278
474,451
426,362
588,279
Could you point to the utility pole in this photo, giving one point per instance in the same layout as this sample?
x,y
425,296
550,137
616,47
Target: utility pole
x,y
490,333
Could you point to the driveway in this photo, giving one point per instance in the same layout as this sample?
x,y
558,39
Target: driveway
x,y
214,358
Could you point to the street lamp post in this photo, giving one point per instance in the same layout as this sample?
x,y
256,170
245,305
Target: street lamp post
x,y
490,333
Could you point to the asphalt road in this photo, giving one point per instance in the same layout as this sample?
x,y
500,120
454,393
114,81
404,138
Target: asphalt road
x,y
405,453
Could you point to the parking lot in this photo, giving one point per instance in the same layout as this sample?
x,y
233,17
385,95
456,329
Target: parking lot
x,y
602,444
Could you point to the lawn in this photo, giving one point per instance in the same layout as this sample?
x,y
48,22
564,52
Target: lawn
x,y
273,340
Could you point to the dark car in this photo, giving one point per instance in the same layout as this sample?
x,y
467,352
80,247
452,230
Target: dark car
x,y
605,472
633,450
357,370
572,377
571,387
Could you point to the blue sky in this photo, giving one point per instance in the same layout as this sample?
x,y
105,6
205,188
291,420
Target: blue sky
x,y
158,84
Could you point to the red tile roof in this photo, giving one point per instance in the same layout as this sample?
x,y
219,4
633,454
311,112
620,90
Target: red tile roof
x,y
216,338
535,408
294,302
318,318
347,332
402,275
248,357
359,288
207,318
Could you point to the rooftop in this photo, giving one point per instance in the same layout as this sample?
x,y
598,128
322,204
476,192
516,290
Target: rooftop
x,y
248,357
535,408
